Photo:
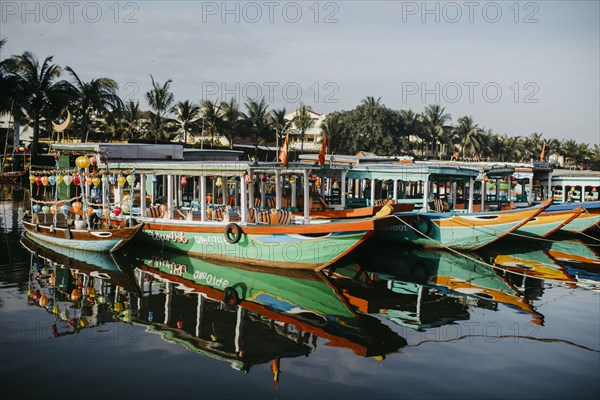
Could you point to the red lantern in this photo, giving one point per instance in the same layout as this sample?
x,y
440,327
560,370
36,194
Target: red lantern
x,y
180,324
117,211
264,178
38,180
183,180
76,179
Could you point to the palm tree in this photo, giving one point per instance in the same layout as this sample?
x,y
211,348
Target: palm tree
x,y
39,95
232,120
186,117
257,121
468,134
95,97
212,119
160,100
332,128
568,149
279,124
435,121
371,102
413,126
131,119
303,122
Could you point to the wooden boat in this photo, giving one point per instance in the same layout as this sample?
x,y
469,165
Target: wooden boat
x,y
95,240
360,212
572,252
468,231
555,217
224,305
587,220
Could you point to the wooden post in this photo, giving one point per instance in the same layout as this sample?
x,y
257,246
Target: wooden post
x,y
471,189
306,183
373,182
143,195
243,199
278,189
203,198
170,196
343,190
425,195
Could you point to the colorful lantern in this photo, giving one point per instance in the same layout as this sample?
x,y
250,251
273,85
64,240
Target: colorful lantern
x,y
184,180
36,208
31,179
38,180
59,179
125,208
76,179
248,178
44,180
77,206
180,324
96,181
292,179
53,209
67,179
43,301
64,314
46,209
130,179
98,213
83,322
117,211
219,182
90,211
82,162
75,295
55,309
121,179
65,209
52,180
264,178
118,307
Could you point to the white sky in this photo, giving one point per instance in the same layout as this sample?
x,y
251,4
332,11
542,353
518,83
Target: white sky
x,y
516,67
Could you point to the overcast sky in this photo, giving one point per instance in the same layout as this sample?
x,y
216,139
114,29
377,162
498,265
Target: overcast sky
x,y
515,67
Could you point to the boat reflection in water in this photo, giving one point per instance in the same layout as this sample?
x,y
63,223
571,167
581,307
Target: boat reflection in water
x,y
82,289
243,316
421,288
251,316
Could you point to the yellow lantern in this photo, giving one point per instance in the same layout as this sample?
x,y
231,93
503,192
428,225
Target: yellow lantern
x,y
292,179
121,179
118,307
83,322
59,179
82,162
219,182
96,181
31,179
55,309
91,292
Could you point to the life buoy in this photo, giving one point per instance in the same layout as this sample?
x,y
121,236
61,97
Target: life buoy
x,y
418,224
230,296
235,230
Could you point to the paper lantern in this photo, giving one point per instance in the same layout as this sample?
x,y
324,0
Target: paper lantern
x,y
76,179
98,213
180,324
55,309
38,180
117,211
82,162
96,181
184,180
67,179
90,211
292,180
130,179
52,180
44,180
83,322
118,307
77,206
125,208
264,178
53,209
65,209
248,178
59,179
43,301
112,180
31,179
36,208
121,179
46,209
64,314
219,182
75,295
37,294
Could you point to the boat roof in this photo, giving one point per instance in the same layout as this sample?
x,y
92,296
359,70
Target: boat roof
x,y
575,177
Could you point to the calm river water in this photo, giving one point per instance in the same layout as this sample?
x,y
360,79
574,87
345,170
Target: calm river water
x,y
519,320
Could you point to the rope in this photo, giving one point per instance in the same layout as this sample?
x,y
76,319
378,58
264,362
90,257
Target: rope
x,y
52,202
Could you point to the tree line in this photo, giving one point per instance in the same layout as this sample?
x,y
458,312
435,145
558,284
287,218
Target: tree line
x,y
35,93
